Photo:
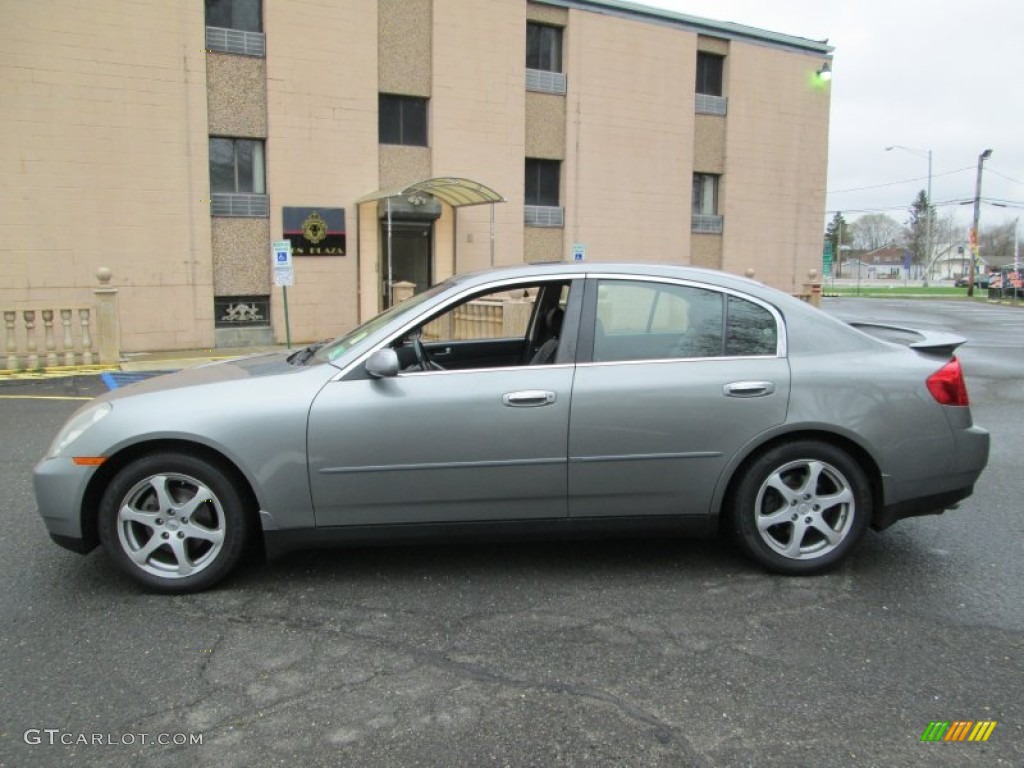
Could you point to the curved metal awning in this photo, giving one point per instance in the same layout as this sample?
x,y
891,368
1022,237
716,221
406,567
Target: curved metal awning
x,y
455,191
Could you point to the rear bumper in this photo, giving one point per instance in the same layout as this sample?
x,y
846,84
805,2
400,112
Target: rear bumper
x,y
927,505
972,447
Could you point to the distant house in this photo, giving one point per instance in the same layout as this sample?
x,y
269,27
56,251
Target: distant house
x,y
880,264
954,262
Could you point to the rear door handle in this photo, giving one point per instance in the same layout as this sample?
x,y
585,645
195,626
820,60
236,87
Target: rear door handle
x,y
528,398
748,389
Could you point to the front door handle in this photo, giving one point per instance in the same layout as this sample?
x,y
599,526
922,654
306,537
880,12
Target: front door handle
x,y
748,389
528,398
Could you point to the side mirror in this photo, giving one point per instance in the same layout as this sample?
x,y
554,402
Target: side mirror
x,y
383,363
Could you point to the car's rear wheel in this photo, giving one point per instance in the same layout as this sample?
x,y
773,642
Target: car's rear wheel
x,y
801,507
173,522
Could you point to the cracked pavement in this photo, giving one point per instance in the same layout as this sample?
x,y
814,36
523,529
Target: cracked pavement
x,y
653,652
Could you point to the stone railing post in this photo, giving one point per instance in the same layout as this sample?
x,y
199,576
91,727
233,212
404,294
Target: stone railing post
x,y
108,325
50,341
83,318
69,344
812,287
403,290
12,343
30,339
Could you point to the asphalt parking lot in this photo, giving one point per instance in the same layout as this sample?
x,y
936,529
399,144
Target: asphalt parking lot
x,y
625,652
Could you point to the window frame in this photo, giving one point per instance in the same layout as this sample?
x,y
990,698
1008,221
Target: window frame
x,y
230,5
707,78
557,44
540,163
696,203
567,354
588,321
261,163
404,104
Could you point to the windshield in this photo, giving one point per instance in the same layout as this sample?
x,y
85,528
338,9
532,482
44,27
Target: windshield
x,y
335,349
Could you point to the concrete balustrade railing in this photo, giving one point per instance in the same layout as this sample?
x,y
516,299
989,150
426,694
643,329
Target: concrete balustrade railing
x,y
38,337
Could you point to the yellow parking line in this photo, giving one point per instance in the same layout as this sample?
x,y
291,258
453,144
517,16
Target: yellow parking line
x,y
42,397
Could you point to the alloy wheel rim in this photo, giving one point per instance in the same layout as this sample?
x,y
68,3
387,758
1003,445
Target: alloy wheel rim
x,y
804,509
171,525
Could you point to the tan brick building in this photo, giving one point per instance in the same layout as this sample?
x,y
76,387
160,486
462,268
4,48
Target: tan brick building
x,y
173,142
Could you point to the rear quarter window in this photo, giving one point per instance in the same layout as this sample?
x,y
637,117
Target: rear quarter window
x,y
751,329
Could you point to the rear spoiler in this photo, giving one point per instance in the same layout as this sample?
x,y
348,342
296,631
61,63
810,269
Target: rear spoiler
x,y
935,343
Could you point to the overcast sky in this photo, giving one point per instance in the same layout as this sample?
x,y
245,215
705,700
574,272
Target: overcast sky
x,y
928,75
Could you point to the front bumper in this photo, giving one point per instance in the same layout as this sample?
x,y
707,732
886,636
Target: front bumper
x,y
60,488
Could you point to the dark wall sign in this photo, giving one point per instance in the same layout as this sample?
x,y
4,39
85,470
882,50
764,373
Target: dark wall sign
x,y
315,231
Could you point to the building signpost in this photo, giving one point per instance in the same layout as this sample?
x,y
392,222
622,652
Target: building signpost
x,y
284,275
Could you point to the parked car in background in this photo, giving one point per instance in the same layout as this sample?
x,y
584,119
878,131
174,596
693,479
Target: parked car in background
x,y
550,400
981,280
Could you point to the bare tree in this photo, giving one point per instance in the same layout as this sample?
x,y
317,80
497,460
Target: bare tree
x,y
875,230
996,243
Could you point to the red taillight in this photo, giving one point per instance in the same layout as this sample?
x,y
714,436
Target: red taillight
x,y
947,384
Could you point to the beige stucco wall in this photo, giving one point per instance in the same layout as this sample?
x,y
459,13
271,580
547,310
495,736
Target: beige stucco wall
x,y
776,164
478,118
237,95
628,170
321,146
103,162
104,152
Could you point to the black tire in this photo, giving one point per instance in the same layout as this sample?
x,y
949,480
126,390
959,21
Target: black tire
x,y
801,507
173,522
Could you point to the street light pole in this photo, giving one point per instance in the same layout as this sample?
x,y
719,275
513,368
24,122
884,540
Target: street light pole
x,y
930,210
977,215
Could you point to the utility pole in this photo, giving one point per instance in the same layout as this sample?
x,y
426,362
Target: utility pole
x,y
928,223
977,215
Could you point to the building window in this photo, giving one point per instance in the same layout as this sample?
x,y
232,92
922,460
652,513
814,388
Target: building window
x,y
236,165
705,216
237,178
705,194
542,182
709,73
543,47
243,15
403,120
542,193
709,100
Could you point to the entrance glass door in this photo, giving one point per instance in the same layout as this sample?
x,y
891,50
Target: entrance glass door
x,y
411,255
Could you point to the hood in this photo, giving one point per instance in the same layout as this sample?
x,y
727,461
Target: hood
x,y
237,369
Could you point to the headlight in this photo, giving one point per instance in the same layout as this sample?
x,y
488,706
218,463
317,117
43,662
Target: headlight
x,y
75,426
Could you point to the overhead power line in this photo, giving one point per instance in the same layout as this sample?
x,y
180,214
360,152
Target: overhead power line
x,y
1004,176
902,181
942,204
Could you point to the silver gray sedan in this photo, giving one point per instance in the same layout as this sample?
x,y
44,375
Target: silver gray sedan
x,y
548,400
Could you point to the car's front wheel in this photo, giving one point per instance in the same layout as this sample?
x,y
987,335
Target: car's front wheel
x,y
801,507
173,522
